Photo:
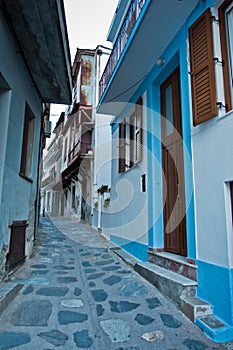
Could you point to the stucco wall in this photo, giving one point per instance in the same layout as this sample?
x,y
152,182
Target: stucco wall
x,y
213,168
125,220
17,194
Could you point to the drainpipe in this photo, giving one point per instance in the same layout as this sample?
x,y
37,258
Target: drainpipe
x,y
99,51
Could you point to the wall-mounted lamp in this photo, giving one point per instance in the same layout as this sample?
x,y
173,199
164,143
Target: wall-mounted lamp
x,y
160,62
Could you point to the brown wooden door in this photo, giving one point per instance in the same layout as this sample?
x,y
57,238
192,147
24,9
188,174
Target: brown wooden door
x,y
173,166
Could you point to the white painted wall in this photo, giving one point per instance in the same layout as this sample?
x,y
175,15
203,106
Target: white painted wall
x,y
103,150
212,145
127,215
213,167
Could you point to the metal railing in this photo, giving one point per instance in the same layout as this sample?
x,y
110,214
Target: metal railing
x,y
74,152
78,149
131,17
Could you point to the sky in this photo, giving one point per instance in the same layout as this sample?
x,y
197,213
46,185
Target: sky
x,y
88,22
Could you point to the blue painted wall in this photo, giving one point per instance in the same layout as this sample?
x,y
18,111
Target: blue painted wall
x,y
136,249
215,284
174,55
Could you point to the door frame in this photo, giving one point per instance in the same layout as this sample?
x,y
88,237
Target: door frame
x,y
174,207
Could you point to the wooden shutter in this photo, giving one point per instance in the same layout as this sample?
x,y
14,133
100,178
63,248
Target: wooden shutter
x,y
132,128
122,135
224,48
202,69
138,136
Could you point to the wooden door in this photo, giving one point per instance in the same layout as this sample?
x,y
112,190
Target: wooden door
x,y
173,166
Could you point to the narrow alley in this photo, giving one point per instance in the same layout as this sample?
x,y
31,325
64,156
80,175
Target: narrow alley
x,y
77,293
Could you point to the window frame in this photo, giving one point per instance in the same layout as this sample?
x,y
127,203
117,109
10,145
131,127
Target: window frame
x,y
122,148
225,56
29,127
130,139
65,150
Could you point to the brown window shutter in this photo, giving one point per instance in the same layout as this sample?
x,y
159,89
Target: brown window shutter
x,y
226,70
202,68
138,131
122,136
132,129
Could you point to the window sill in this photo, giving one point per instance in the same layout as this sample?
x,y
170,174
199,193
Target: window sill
x,y
26,177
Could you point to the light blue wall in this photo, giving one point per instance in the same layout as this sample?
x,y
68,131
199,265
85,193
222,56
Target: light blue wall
x,y
126,217
174,55
215,281
136,249
22,91
215,284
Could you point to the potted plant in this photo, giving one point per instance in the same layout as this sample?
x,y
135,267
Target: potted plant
x,y
107,202
103,188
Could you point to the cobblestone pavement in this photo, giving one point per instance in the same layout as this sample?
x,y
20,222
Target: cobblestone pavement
x,y
78,294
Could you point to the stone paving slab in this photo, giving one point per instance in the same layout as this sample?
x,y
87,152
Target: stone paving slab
x,y
78,294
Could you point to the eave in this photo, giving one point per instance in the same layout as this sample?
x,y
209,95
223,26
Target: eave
x,y
39,30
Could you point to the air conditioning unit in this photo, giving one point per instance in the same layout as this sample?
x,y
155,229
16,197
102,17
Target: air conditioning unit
x,y
47,128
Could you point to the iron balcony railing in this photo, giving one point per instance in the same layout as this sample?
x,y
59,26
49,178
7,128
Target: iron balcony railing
x,y
131,17
79,148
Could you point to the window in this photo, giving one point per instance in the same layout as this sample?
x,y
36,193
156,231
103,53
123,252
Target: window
x,y
73,204
231,194
138,131
226,35
65,150
130,139
28,144
202,69
122,137
48,201
65,198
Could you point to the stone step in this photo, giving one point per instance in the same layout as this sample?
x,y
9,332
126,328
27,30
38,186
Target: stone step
x,y
172,285
178,288
194,307
8,291
215,328
126,257
175,263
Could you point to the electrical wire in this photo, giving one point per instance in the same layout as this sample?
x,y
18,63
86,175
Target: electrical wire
x,y
132,86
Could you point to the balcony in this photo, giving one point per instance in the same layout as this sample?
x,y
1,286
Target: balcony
x,y
79,149
145,34
132,15
48,180
78,159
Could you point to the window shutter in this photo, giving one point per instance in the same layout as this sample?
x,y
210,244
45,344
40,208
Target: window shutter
x,y
122,135
202,69
138,136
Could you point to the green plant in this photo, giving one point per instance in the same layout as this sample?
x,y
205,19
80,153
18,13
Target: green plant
x,y
103,188
106,202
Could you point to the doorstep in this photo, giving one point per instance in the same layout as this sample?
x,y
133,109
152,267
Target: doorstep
x,y
176,287
173,262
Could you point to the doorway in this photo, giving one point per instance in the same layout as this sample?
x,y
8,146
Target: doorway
x,y
174,217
